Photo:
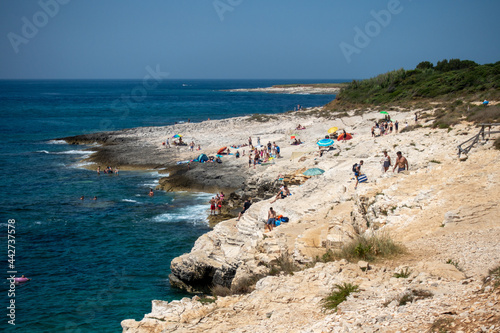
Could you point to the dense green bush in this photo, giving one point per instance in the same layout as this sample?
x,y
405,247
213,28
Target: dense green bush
x,y
448,79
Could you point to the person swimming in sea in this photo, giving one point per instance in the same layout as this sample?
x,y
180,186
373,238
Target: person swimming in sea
x,y
151,193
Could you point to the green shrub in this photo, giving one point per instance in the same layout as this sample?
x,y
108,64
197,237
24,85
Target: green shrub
x,y
404,273
338,295
370,247
448,82
454,263
328,256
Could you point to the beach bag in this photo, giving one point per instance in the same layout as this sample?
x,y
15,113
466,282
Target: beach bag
x,y
284,219
277,222
362,179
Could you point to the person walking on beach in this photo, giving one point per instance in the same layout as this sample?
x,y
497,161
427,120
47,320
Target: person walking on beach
x,y
401,163
167,144
357,172
212,206
271,219
246,205
386,160
255,160
258,141
396,126
250,142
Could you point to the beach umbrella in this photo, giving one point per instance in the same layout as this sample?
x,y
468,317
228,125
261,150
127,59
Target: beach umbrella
x,y
221,150
384,112
292,137
177,136
314,172
325,142
333,130
348,136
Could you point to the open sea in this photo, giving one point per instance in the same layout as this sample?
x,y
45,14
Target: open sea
x,y
96,263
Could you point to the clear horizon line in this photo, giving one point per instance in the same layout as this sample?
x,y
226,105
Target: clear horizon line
x,y
166,79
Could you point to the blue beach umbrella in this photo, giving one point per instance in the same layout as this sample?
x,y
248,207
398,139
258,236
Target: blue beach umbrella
x,y
314,172
325,142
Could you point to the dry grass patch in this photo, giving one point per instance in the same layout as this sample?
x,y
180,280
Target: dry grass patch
x,y
370,247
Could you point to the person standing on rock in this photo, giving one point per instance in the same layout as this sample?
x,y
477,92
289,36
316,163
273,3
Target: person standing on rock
x,y
396,125
271,219
246,205
401,163
212,206
387,161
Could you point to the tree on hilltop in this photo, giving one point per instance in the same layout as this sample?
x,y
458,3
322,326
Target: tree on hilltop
x,y
425,65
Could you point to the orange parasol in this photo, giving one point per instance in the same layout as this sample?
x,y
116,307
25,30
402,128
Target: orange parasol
x,y
348,136
221,150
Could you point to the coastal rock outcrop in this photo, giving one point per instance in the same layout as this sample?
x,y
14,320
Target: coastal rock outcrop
x,y
445,213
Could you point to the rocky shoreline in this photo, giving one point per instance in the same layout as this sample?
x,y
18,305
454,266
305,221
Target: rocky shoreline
x,y
293,90
429,209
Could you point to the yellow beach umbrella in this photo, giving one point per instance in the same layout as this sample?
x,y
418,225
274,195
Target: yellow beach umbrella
x,y
333,130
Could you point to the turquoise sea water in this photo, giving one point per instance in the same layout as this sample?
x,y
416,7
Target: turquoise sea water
x,y
95,263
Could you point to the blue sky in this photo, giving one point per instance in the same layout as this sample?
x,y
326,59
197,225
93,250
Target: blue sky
x,y
238,39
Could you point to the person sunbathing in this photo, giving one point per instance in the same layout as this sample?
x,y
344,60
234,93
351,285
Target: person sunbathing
x,y
283,193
